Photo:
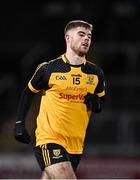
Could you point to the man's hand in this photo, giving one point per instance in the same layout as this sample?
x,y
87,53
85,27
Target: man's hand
x,y
21,134
93,102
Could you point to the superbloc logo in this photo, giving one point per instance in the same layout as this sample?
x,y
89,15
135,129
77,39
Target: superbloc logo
x,y
61,78
70,97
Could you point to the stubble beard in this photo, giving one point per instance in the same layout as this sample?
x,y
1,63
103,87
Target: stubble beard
x,y
82,53
79,52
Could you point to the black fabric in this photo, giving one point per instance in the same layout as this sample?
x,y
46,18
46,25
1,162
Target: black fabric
x,y
24,104
75,160
90,68
94,102
41,76
20,132
46,152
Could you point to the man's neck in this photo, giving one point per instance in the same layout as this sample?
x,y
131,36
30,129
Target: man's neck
x,y
74,59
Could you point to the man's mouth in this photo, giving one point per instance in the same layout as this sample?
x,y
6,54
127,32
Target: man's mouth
x,y
85,45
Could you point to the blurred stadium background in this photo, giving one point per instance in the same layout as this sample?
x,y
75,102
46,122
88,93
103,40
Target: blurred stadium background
x,y
32,32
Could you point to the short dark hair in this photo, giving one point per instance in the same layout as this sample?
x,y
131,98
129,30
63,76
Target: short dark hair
x,y
77,23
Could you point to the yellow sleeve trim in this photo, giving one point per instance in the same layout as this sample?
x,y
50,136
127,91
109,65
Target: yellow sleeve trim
x,y
32,88
64,58
101,94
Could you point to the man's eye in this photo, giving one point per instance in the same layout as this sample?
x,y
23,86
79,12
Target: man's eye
x,y
81,35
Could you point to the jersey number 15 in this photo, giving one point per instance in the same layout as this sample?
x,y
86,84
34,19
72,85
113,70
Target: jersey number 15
x,y
76,80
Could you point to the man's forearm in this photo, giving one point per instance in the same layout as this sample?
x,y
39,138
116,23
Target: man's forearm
x,y
23,106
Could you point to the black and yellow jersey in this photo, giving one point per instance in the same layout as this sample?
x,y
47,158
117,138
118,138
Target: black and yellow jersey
x,y
63,116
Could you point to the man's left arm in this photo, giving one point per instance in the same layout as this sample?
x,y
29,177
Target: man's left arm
x,y
96,101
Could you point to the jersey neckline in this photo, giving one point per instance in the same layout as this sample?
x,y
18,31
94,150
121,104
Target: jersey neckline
x,y
76,65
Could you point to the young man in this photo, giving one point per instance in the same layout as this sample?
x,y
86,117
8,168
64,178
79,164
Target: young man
x,y
72,88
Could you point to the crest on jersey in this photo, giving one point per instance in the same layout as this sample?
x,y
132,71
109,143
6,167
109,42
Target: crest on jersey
x,y
56,152
90,79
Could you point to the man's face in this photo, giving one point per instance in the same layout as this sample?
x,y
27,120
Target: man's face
x,y
79,40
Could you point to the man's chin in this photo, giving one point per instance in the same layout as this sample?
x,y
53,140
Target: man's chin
x,y
82,53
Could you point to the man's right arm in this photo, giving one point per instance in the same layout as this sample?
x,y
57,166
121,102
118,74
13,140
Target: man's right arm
x,y
20,131
36,84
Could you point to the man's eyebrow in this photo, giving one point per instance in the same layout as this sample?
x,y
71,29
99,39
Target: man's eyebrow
x,y
84,33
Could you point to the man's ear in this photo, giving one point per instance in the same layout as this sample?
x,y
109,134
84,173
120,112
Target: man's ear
x,y
67,37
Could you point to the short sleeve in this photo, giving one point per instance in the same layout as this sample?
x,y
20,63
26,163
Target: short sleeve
x,y
38,81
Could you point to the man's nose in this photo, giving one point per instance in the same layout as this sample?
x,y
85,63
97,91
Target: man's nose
x,y
86,38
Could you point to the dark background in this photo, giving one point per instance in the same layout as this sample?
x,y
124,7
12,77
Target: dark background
x,y
32,32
